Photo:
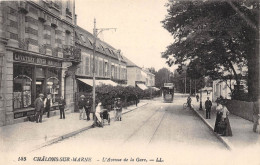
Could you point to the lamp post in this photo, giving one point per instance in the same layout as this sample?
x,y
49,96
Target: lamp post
x,y
95,33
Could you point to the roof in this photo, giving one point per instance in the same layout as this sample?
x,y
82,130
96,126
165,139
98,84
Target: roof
x,y
130,63
86,39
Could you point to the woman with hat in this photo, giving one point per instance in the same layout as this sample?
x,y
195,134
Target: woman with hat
x,y
97,114
217,128
227,129
81,105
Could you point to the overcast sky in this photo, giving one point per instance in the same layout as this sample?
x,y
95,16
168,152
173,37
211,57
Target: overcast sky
x,y
139,34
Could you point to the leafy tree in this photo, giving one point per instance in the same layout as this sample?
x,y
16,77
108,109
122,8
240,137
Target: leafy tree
x,y
162,76
213,38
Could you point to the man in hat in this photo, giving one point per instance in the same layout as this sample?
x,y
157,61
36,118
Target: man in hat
x,y
62,104
39,107
88,108
208,105
48,104
81,106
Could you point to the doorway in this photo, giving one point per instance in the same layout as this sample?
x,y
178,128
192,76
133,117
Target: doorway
x,y
39,86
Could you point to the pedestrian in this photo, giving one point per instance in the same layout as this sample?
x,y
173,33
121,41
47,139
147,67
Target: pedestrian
x,y
88,108
97,114
136,100
81,106
197,97
39,108
119,109
255,115
48,104
62,104
208,105
114,107
224,119
189,101
217,129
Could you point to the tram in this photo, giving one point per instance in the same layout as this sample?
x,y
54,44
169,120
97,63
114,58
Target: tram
x,y
168,92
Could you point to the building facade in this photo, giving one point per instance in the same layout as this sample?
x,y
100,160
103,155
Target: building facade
x,y
137,75
110,66
37,53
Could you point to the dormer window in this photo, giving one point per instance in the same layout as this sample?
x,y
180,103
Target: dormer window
x,y
82,38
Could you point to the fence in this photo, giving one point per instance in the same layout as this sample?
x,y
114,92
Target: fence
x,y
241,108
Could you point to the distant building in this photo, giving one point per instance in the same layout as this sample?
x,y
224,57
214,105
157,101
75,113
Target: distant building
x,y
222,88
137,75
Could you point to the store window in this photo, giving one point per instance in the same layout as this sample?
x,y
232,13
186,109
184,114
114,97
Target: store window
x,y
53,84
22,87
53,88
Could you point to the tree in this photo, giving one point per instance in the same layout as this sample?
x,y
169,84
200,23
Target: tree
x,y
212,39
162,76
152,70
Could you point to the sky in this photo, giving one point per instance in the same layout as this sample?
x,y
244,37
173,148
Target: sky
x,y
139,34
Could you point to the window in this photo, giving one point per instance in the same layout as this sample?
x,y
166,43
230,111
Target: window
x,y
112,71
115,72
83,38
53,88
100,67
22,87
105,69
87,66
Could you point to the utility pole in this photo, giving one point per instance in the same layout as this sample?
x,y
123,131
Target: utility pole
x,y
185,84
93,71
95,33
190,86
195,87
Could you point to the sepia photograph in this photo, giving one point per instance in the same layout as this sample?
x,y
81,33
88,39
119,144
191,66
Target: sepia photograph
x,y
129,82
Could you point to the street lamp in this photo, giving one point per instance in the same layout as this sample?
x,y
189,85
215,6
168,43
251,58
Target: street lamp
x,y
95,33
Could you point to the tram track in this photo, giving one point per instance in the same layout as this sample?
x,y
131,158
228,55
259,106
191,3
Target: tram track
x,y
146,121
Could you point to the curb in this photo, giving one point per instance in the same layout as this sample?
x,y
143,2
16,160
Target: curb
x,y
225,142
55,140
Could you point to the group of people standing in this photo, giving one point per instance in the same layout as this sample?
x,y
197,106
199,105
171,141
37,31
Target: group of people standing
x,y
44,106
84,103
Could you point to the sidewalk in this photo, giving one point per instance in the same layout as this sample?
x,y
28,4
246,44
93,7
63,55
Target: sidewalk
x,y
28,136
243,135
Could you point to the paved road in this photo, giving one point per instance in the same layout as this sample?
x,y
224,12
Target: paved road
x,y
157,129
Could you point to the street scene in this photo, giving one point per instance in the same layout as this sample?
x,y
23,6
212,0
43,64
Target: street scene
x,y
129,82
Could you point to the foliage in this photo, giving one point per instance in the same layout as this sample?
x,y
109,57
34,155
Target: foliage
x,y
107,93
163,75
211,37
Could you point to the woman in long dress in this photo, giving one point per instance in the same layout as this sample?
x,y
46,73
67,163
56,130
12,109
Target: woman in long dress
x,y
217,129
227,130
97,113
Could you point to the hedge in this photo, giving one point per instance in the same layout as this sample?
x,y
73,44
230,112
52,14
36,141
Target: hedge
x,y
107,93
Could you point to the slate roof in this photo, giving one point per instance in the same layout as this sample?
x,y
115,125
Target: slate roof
x,y
85,38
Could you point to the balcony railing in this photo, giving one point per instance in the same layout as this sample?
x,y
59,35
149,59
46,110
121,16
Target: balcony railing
x,y
72,53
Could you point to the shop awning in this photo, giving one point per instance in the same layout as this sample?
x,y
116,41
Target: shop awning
x,y
157,89
142,86
97,82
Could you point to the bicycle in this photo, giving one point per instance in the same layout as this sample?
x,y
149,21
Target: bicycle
x,y
185,105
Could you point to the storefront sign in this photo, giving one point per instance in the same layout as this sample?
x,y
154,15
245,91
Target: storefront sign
x,y
36,60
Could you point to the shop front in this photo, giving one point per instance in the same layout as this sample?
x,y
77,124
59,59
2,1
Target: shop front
x,y
33,75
